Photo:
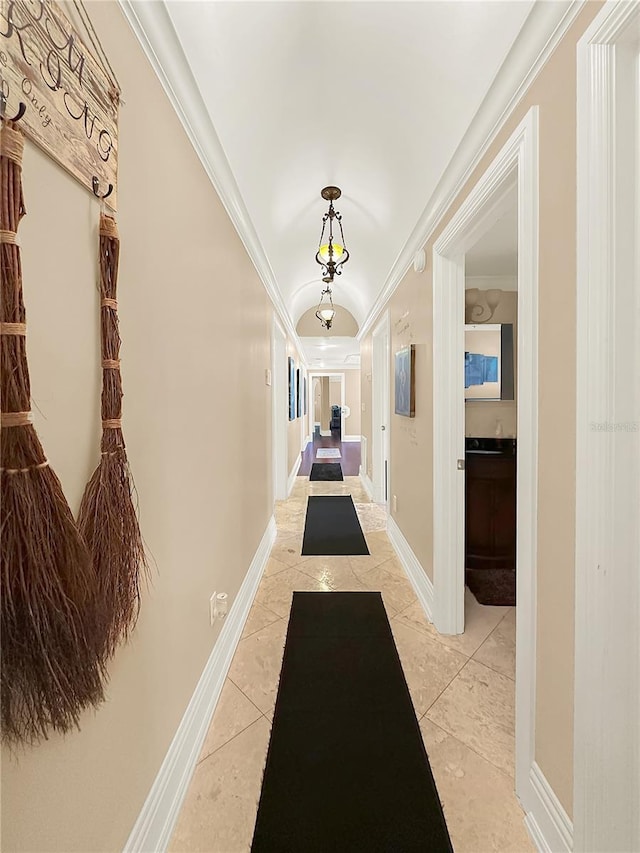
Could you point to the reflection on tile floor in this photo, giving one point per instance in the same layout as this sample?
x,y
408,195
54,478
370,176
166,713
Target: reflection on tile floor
x,y
462,689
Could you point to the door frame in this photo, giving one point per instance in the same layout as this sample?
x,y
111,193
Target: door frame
x,y
607,555
516,162
279,411
317,374
381,411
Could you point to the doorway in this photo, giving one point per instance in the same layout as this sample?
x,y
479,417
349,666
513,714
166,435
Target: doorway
x,y
380,447
514,168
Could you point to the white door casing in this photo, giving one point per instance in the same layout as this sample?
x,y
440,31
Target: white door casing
x,y
279,410
607,632
381,412
517,161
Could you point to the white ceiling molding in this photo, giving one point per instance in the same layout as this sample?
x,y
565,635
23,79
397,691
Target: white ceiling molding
x,y
542,32
154,30
488,282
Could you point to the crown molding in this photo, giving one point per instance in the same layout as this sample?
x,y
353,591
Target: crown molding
x,y
543,30
153,27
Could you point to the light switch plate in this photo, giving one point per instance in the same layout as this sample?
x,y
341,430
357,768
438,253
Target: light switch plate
x,y
267,377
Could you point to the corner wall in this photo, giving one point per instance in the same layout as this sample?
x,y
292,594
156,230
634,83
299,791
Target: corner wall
x,y
196,326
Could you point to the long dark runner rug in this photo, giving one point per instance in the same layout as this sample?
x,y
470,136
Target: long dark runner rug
x,y
332,527
346,770
326,471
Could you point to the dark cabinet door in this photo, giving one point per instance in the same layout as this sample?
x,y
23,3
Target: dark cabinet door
x,y
490,512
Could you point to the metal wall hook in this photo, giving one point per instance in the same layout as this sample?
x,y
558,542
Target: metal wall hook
x,y
96,184
22,108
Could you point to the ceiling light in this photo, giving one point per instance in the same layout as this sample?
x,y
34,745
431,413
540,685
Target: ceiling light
x,y
326,312
331,254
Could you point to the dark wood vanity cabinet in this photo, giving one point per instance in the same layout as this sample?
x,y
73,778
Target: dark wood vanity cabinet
x,y
490,524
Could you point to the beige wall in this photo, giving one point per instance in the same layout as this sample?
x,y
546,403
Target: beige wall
x,y
197,420
366,352
344,324
481,417
554,91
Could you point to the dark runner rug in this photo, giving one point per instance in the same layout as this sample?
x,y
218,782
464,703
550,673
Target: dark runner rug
x,y
326,471
332,527
346,769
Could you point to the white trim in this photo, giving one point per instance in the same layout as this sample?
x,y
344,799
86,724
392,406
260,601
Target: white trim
x,y
607,554
416,573
326,433
153,27
541,33
381,409
548,823
506,283
293,474
279,406
367,485
155,824
350,438
519,157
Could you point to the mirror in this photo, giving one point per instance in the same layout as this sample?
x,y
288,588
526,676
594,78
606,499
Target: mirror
x,y
488,362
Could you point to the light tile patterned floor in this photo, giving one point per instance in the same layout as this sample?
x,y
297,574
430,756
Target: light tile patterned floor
x,y
462,689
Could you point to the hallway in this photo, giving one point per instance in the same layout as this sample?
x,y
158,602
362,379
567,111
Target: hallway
x,y
462,689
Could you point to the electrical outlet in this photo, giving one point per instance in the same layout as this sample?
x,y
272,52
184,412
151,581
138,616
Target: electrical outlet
x,y
267,376
212,609
221,605
364,407
395,503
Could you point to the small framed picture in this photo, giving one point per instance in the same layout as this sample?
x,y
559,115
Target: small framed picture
x,y
405,382
292,389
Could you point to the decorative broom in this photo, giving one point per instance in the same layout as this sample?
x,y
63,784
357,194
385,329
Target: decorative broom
x,y
108,519
51,618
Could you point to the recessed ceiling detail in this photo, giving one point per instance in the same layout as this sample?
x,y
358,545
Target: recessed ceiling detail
x,y
412,77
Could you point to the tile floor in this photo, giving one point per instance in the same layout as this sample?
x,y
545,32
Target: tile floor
x,y
462,689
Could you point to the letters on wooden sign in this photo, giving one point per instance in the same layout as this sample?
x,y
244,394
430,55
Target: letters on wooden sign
x,y
72,105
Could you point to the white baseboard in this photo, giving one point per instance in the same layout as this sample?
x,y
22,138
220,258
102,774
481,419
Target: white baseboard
x,y
548,823
307,441
350,438
326,433
155,824
367,485
415,572
293,474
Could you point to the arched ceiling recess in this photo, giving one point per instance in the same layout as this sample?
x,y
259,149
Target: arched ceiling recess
x,y
409,79
344,291
344,324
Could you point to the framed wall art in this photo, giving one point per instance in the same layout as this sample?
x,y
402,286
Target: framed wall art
x,y
292,389
405,382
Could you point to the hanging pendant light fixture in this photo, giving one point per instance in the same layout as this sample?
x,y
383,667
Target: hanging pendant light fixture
x,y
326,312
332,253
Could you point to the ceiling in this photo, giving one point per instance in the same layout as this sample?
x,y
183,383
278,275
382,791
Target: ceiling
x,y
371,96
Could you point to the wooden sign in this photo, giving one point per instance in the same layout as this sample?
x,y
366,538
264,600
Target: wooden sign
x,y
71,104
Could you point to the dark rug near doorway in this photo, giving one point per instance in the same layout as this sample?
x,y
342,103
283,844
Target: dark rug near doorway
x,y
346,768
332,527
326,471
492,586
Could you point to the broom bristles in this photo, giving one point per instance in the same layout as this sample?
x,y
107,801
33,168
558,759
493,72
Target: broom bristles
x,y
52,623
51,626
109,525
108,520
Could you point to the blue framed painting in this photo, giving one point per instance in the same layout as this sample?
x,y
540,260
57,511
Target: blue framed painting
x,y
298,394
292,389
405,382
